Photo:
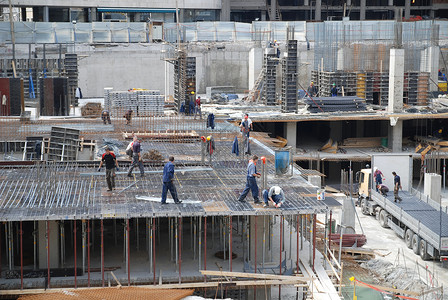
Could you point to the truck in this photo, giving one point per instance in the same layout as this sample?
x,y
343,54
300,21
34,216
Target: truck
x,y
419,220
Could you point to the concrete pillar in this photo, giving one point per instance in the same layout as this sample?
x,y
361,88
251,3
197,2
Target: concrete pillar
x,y
262,232
318,15
390,3
336,131
306,2
273,9
46,14
407,9
396,78
92,16
263,16
225,11
340,59
362,10
54,244
433,66
348,216
433,186
291,135
395,139
360,128
255,65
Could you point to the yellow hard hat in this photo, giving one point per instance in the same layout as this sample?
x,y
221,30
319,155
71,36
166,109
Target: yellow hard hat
x,y
208,138
192,93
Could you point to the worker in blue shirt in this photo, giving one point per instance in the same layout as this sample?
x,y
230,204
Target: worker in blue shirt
x,y
397,186
168,184
251,182
334,90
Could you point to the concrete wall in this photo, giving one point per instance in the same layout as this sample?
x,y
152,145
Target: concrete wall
x,y
202,4
400,163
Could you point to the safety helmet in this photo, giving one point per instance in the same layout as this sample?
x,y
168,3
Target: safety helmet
x,y
208,138
192,93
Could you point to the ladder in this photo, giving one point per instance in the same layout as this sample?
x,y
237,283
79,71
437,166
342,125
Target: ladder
x,y
256,87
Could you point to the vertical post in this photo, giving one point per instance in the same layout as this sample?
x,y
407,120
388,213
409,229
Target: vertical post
x,y
154,249
230,244
200,242
330,231
298,239
102,253
34,246
281,250
128,252
314,239
83,234
1,251
205,247
180,249
88,253
21,256
137,234
48,253
255,245
74,243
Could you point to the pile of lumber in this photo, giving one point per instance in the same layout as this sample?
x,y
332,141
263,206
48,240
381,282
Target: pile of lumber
x,y
91,109
362,142
329,147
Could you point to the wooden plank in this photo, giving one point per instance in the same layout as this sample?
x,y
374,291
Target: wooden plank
x,y
253,275
388,289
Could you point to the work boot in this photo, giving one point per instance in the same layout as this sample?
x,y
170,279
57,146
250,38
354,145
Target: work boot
x,y
241,200
256,201
178,202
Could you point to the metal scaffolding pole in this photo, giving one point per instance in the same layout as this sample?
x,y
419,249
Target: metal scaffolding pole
x,y
154,248
230,244
200,242
128,249
180,250
88,253
21,256
84,236
205,247
74,242
102,252
34,246
47,236
281,242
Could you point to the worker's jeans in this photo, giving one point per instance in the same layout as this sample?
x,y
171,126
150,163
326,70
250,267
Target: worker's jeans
x,y
396,197
275,198
197,110
110,178
135,162
169,186
251,184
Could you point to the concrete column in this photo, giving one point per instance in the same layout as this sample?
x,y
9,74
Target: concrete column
x,y
54,244
360,128
433,66
407,9
390,3
46,14
92,16
396,78
291,135
340,59
273,9
348,216
306,2
263,15
336,130
433,186
255,65
225,10
318,15
395,139
362,11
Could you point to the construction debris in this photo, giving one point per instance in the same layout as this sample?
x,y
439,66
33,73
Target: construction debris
x,y
153,155
91,109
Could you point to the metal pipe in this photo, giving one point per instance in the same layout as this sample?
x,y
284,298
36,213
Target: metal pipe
x,y
48,253
10,246
34,246
154,249
88,253
298,239
205,247
171,238
255,245
194,238
290,235
1,249
21,256
230,244
176,230
314,238
280,271
128,252
74,242
102,252
62,242
180,250
264,243
83,234
137,239
330,230
200,242
213,232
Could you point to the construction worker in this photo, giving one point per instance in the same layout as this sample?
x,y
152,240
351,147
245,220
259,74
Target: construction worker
x,y
382,189
111,164
334,90
128,116
105,116
251,182
168,184
246,125
312,90
397,186
197,108
136,158
275,195
378,177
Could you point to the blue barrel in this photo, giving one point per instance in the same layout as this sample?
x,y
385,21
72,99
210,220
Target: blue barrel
x,y
281,162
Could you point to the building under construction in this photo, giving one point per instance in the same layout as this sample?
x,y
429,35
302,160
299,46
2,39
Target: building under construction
x,y
61,228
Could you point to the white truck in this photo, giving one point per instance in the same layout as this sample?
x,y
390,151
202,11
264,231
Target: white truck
x,y
420,221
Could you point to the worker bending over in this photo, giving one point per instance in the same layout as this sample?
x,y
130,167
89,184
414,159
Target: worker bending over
x,y
274,195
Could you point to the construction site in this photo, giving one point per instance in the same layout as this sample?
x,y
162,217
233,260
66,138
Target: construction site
x,y
330,102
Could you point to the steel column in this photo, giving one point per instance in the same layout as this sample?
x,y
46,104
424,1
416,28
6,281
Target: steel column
x,y
102,253
88,253
128,252
74,243
21,256
48,253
